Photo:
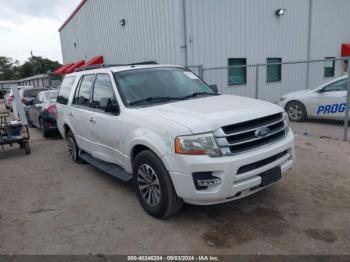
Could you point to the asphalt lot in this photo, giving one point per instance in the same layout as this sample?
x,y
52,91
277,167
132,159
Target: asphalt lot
x,y
49,205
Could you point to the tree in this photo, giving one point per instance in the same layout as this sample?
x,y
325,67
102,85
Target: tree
x,y
8,68
37,65
11,69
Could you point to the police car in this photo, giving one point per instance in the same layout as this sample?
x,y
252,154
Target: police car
x,y
327,101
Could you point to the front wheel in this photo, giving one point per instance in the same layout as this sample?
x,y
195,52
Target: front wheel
x,y
154,187
296,111
26,147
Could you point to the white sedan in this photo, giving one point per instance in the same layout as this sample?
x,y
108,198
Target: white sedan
x,y
327,101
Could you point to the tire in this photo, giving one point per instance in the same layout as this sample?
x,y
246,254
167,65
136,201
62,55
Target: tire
x,y
156,195
43,128
73,148
26,147
296,111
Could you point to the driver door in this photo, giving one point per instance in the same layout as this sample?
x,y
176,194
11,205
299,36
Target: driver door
x,y
329,102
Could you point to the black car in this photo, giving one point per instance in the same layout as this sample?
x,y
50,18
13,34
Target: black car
x,y
2,93
42,113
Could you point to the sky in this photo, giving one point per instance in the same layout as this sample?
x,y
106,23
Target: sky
x,y
32,25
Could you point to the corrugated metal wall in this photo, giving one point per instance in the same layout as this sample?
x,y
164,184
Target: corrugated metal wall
x,y
216,30
330,28
153,31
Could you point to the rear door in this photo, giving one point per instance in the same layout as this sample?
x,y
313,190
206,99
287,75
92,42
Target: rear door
x,y
330,101
80,114
105,125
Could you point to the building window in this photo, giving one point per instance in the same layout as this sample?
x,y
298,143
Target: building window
x,y
237,75
329,67
274,71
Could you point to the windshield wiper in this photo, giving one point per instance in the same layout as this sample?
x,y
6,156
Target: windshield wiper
x,y
200,94
155,99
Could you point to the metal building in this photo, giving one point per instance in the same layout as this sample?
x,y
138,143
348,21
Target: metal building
x,y
212,33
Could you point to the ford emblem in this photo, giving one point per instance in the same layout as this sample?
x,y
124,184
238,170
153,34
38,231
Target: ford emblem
x,y
262,132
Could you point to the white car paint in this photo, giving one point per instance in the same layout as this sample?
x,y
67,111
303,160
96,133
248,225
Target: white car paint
x,y
112,138
318,104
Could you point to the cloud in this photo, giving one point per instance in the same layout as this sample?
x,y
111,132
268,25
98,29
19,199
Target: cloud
x,y
27,26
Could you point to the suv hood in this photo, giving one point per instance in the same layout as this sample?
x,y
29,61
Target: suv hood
x,y
210,113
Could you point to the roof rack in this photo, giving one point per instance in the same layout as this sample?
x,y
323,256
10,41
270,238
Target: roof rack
x,y
113,65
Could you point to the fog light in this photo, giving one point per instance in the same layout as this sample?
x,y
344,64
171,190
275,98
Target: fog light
x,y
203,180
211,182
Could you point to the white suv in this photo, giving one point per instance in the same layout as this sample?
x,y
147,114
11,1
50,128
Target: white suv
x,y
173,135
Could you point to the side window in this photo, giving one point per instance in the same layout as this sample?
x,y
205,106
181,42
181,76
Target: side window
x,y
337,86
82,94
237,74
103,94
329,67
65,89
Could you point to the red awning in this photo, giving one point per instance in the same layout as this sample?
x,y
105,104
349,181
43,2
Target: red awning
x,y
60,71
74,66
97,60
345,50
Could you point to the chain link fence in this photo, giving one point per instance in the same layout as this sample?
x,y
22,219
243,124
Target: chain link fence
x,y
314,93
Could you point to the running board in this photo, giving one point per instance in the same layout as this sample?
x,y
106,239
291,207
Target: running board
x,y
111,169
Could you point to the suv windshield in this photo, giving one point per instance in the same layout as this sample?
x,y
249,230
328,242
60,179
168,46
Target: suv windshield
x,y
159,85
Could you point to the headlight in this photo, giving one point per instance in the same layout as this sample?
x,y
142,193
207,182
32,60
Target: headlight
x,y
203,144
286,121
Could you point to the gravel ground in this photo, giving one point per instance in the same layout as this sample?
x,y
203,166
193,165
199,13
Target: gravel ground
x,y
49,205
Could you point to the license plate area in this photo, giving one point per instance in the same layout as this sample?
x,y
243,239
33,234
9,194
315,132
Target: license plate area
x,y
271,176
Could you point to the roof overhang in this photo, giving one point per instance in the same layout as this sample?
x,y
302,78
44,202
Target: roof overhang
x,y
76,10
77,65
97,60
345,50
61,70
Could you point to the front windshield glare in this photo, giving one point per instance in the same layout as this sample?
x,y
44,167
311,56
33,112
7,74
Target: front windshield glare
x,y
169,83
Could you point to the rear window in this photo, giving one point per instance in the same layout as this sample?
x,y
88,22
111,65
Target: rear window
x,y
32,92
51,96
65,90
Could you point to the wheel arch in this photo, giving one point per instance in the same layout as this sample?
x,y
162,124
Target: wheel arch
x,y
66,129
142,145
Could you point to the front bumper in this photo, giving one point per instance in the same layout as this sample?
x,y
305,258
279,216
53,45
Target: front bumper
x,y
233,185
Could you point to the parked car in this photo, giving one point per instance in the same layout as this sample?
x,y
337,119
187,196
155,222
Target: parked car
x,y
28,94
8,98
173,135
2,93
327,101
42,113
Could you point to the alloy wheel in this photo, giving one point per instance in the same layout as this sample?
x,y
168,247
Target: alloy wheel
x,y
148,184
295,112
72,149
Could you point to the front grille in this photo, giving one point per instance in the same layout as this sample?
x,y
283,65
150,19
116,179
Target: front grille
x,y
242,137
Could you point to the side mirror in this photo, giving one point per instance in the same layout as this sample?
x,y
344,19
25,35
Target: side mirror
x,y
113,109
214,88
321,91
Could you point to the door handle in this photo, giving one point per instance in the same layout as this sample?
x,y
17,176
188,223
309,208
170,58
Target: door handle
x,y
71,115
92,120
